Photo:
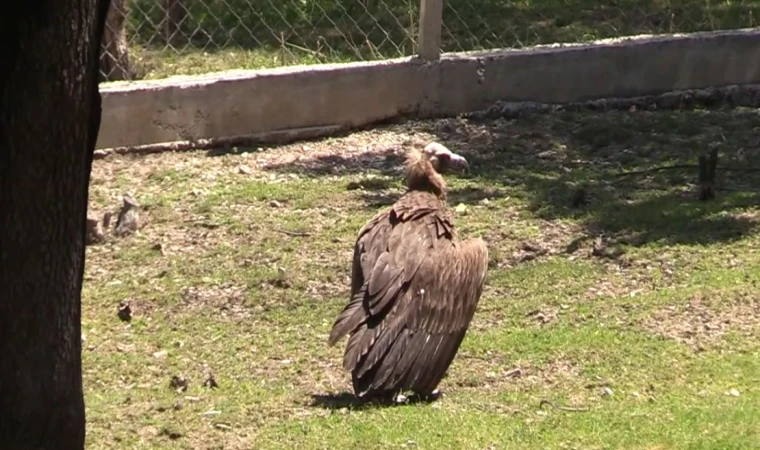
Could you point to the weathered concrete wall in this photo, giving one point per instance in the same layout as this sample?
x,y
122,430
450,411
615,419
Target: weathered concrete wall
x,y
355,94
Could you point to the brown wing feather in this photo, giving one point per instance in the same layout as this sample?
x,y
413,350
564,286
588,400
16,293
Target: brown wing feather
x,y
414,291
436,321
366,253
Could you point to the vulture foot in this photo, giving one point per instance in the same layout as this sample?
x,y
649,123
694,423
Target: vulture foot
x,y
418,398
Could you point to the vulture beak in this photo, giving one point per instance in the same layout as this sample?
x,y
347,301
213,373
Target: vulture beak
x,y
459,162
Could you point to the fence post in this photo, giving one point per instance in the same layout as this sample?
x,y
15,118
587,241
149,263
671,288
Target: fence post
x,y
431,22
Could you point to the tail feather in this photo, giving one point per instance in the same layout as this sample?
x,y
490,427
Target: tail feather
x,y
352,316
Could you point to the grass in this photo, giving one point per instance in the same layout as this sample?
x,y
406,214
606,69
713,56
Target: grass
x,y
242,263
235,35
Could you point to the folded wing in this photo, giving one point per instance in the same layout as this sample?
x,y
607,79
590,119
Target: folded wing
x,y
415,288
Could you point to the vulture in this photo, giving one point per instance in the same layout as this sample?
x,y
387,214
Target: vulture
x,y
414,287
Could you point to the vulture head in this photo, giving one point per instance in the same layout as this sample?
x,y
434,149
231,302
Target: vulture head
x,y
424,168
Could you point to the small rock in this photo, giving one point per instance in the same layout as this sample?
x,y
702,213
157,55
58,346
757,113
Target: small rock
x,y
161,354
733,392
548,154
245,170
124,312
461,208
99,154
275,204
180,385
128,220
607,392
516,373
94,232
211,382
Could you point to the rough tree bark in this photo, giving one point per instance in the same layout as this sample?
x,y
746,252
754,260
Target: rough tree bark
x,y
114,55
49,122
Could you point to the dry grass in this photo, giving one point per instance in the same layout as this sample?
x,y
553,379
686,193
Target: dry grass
x,y
638,307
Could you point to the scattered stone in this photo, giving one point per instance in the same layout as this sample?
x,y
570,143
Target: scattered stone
x,y
210,382
94,232
179,384
124,312
128,220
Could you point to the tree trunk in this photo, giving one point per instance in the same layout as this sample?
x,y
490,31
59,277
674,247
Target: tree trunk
x,y
49,122
114,56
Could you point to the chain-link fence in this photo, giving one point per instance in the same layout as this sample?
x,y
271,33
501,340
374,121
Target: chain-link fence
x,y
159,38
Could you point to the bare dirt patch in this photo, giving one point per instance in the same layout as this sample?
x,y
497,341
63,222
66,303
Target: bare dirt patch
x,y
699,324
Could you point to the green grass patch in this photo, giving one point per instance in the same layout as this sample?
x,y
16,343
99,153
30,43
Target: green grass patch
x,y
636,310
236,34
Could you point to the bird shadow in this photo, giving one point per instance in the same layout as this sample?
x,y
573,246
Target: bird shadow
x,y
350,401
385,161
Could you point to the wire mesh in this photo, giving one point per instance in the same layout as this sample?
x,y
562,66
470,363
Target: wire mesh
x,y
159,38
489,24
167,37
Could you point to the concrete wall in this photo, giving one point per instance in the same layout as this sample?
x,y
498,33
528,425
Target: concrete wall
x,y
240,103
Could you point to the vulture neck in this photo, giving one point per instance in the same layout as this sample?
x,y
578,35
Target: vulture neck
x,y
421,176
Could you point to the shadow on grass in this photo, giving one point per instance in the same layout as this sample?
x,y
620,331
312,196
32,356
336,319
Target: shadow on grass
x,y
548,161
349,400
468,195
